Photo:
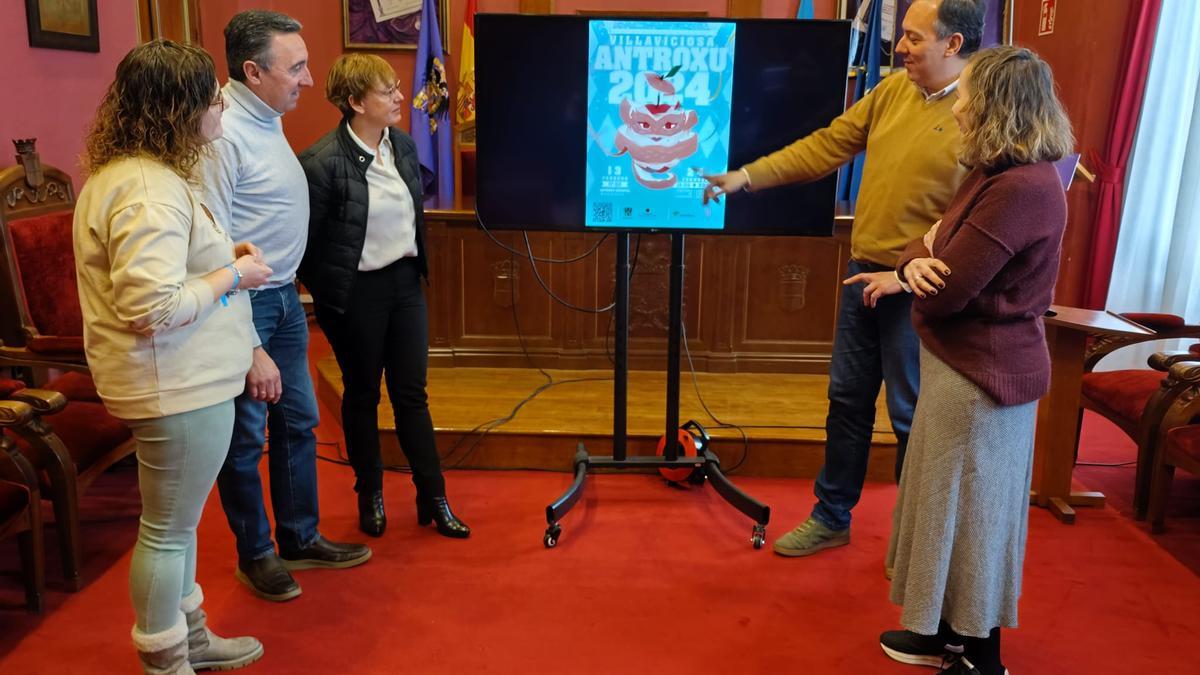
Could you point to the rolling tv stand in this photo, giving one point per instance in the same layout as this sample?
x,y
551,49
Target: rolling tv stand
x,y
707,462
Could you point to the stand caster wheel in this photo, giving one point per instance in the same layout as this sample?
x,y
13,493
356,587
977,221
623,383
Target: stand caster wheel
x,y
550,540
758,536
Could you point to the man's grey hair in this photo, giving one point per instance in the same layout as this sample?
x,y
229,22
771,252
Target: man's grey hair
x,y
964,17
248,38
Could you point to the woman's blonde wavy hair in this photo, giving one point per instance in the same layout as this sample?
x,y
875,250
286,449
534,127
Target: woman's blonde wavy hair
x,y
154,107
1013,114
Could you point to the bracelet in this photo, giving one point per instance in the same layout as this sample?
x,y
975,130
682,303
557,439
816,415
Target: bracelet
x,y
237,277
748,185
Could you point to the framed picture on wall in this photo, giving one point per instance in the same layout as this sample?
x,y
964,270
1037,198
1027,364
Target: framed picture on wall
x,y
388,24
63,24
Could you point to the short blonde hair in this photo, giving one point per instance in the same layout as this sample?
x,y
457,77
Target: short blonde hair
x,y
352,76
1014,116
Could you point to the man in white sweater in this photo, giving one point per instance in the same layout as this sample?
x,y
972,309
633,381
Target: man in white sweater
x,y
254,182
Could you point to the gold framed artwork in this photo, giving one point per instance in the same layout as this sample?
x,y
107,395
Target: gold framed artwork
x,y
388,24
63,24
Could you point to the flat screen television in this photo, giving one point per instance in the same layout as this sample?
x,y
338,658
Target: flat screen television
x,y
606,124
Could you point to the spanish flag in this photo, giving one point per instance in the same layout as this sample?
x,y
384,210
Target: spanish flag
x,y
465,104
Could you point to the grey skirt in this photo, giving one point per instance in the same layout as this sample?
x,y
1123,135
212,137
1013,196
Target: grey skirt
x,y
961,518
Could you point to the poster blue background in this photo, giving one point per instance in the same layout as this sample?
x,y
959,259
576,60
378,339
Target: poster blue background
x,y
614,195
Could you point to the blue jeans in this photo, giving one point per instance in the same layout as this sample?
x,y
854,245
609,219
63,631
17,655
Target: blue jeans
x,y
178,459
292,461
870,346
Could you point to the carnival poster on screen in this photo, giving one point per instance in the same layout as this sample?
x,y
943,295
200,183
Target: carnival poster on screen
x,y
659,100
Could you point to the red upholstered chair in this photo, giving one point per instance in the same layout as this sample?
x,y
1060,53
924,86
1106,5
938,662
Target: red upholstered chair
x,y
1135,400
40,321
20,504
1179,441
70,441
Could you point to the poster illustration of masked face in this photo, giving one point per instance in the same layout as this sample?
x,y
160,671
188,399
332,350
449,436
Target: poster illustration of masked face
x,y
659,98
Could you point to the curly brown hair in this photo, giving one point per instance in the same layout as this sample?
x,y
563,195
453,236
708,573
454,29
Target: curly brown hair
x,y
1015,116
154,107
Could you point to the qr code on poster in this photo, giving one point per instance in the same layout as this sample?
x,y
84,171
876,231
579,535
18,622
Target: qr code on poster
x,y
602,212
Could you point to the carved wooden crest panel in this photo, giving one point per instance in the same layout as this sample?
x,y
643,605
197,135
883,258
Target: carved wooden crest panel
x,y
791,287
506,282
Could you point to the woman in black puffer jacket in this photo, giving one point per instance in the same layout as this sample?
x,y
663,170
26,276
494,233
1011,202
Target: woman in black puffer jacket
x,y
364,265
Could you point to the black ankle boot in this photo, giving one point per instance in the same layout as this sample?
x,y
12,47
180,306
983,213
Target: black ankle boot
x,y
437,510
371,517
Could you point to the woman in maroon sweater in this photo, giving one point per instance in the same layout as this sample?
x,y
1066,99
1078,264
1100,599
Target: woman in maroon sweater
x,y
983,277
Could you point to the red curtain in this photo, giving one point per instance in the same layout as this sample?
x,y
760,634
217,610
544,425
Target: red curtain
x,y
1110,168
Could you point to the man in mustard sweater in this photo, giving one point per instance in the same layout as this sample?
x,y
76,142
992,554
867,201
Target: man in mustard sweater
x,y
906,126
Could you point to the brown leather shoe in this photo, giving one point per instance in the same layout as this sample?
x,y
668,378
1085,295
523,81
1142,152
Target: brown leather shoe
x,y
268,578
328,554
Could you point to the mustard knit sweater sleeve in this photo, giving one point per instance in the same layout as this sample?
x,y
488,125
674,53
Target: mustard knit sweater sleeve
x,y
823,151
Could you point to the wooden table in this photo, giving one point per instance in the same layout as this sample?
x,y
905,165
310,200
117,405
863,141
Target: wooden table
x,y
1057,435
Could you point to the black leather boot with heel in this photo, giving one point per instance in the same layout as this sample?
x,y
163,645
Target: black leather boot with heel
x,y
437,510
371,517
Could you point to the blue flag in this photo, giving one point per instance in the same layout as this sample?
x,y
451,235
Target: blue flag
x,y
867,66
805,10
431,127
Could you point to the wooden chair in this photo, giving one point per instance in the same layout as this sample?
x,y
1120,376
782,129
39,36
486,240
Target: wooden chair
x,y
20,504
70,443
1135,400
1179,441
41,325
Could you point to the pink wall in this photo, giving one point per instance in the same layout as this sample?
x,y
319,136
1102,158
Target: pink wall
x,y
52,93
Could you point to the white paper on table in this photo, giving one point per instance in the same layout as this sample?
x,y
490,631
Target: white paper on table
x,y
390,9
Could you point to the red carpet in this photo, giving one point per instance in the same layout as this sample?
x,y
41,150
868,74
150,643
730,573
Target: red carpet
x,y
1102,442
646,579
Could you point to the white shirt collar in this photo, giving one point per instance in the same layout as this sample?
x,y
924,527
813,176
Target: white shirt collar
x,y
366,148
940,94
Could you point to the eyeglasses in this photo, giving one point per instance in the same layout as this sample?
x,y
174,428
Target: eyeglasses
x,y
390,92
219,101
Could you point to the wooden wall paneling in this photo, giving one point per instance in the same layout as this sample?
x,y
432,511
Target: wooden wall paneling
x,y
491,279
578,326
439,294
789,292
750,304
720,291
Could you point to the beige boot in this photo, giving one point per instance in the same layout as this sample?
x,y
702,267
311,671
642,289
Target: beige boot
x,y
164,653
207,651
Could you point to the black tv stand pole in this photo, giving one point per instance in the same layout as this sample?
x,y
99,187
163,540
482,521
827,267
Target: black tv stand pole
x,y
707,460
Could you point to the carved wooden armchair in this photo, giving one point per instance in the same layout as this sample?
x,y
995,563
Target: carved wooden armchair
x,y
72,438
20,504
40,322
69,443
1179,440
1135,400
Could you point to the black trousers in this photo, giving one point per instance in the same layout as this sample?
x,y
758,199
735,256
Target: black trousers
x,y
385,332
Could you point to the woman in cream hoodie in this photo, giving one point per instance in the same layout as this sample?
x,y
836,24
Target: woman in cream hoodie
x,y
167,336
